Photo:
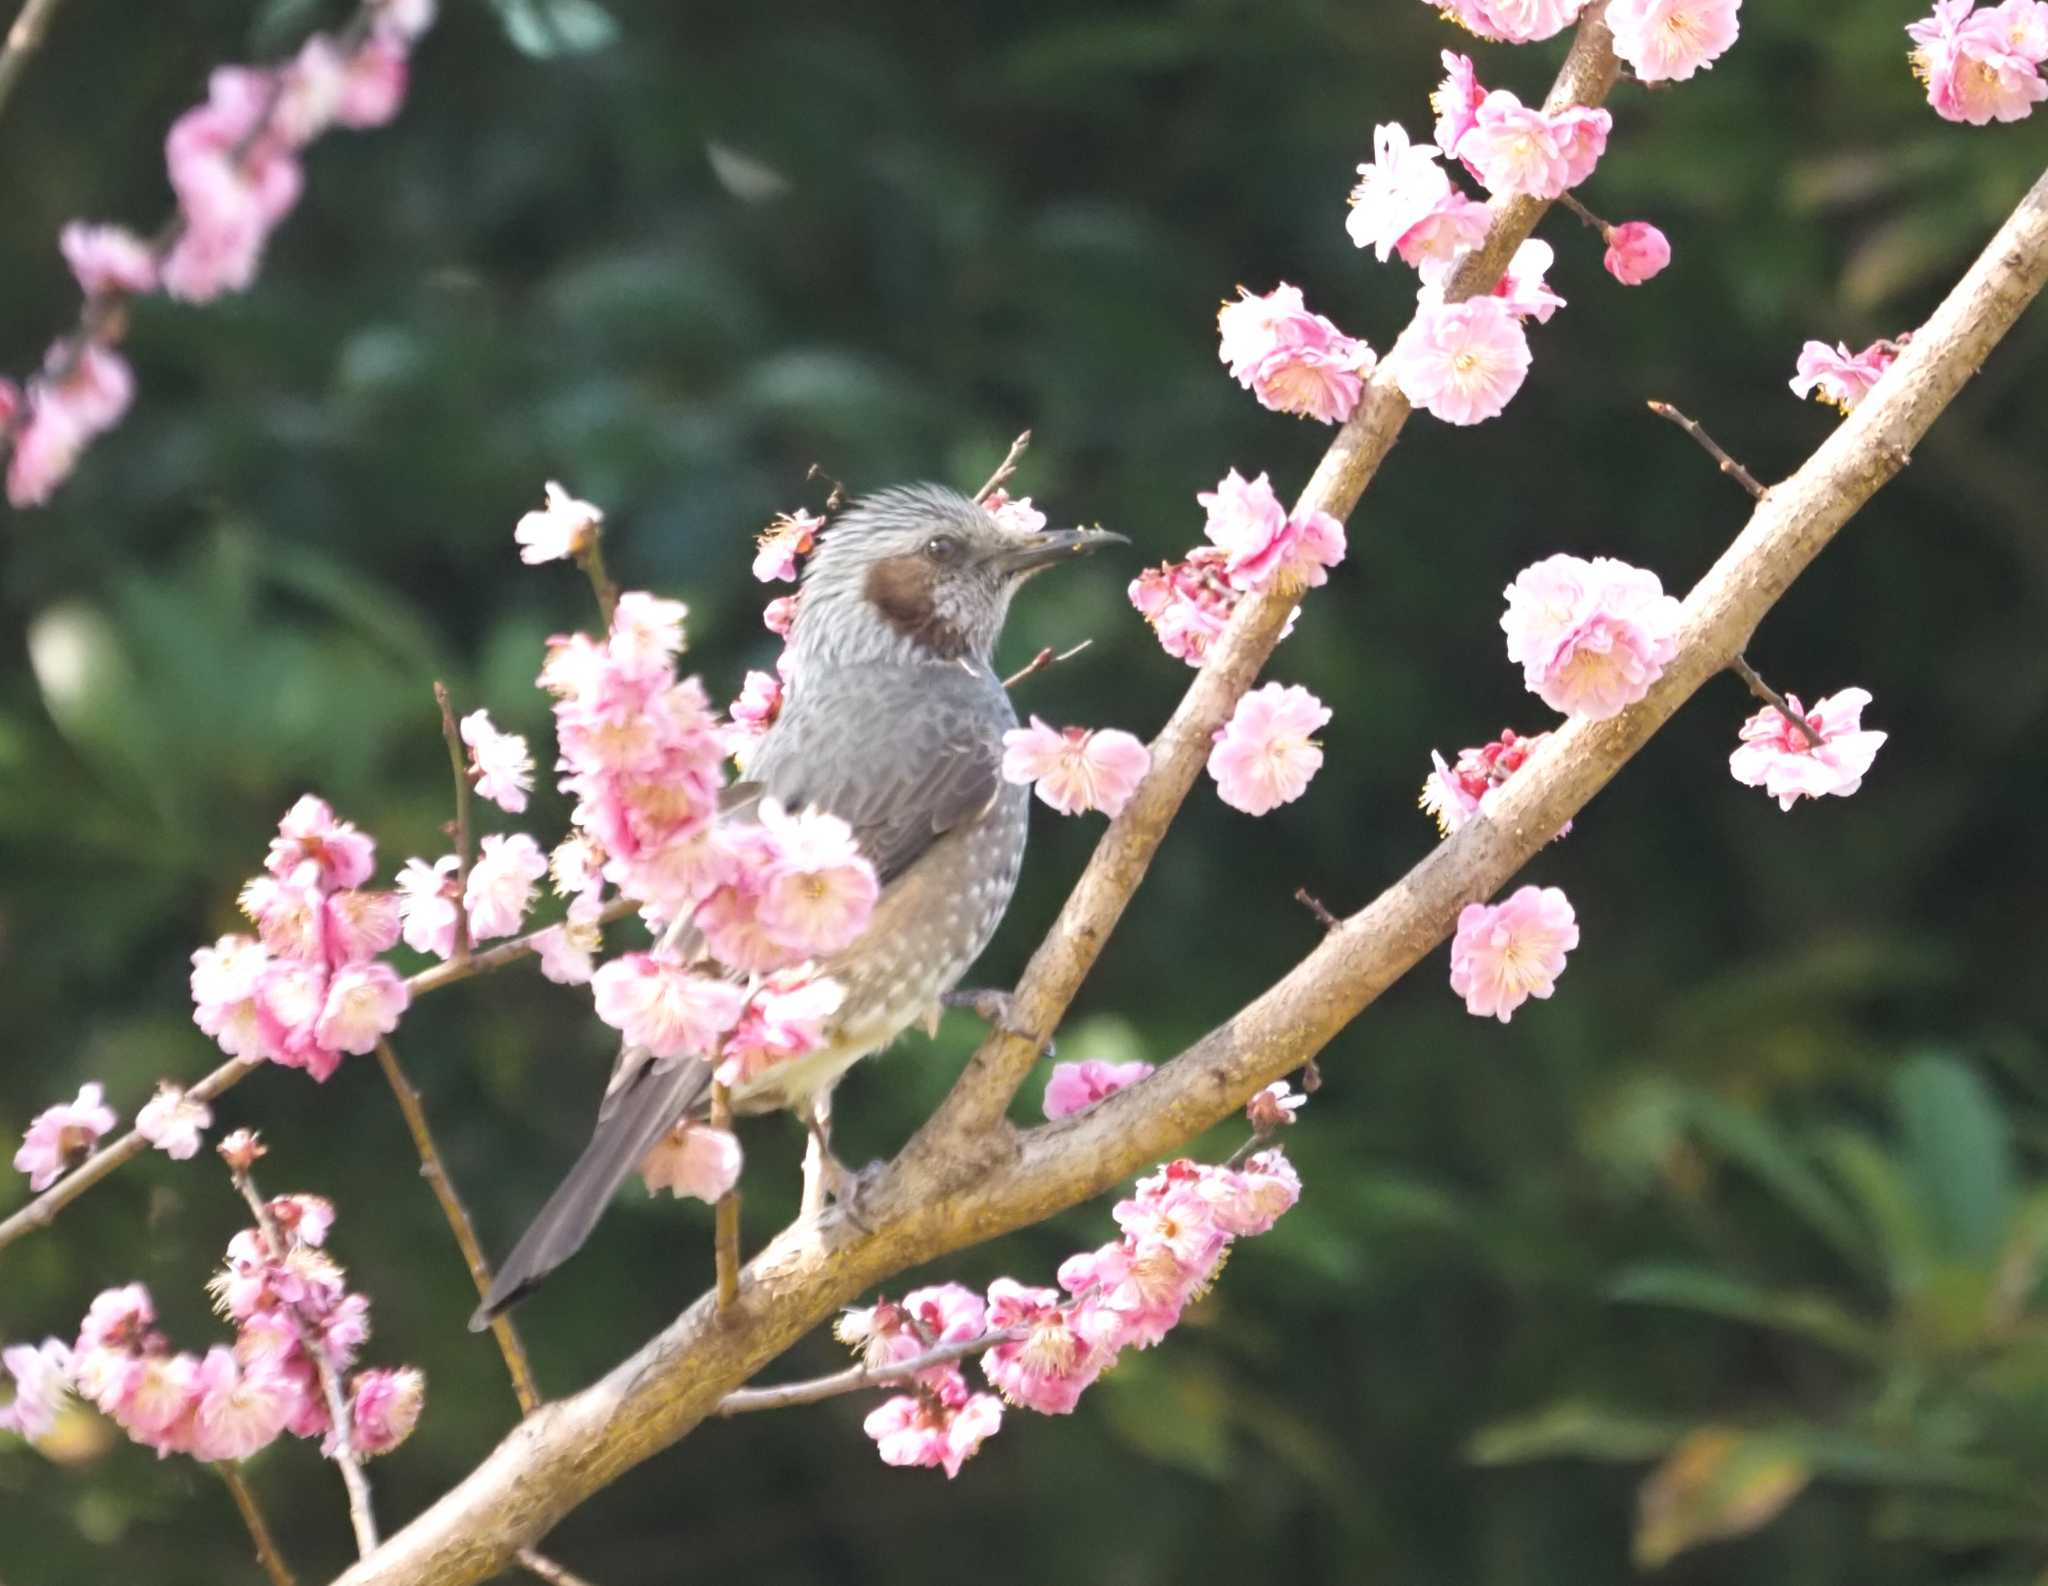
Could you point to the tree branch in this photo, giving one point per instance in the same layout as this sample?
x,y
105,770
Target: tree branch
x,y
458,762
259,1529
948,1191
24,38
786,1395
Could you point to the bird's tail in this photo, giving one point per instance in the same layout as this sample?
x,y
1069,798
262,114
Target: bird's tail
x,y
630,1125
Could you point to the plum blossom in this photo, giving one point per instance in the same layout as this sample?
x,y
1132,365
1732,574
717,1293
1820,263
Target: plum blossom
x,y
1777,757
1401,186
568,951
1274,1107
1453,794
60,1137
1075,1087
427,895
107,260
501,884
790,536
1265,754
1186,603
942,1427
1514,149
1076,768
42,1382
658,1003
362,1006
1839,377
1053,1356
1636,250
384,1407
1456,101
694,1160
1436,242
779,615
561,531
310,834
82,392
1462,362
1522,287
754,712
1982,66
1669,40
1506,953
1591,637
818,890
1512,21
225,978
1292,360
785,1019
172,1122
1013,512
1247,1201
1261,542
890,1332
499,763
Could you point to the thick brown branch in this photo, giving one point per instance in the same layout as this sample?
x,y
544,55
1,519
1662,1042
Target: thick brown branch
x,y
435,1172
950,1191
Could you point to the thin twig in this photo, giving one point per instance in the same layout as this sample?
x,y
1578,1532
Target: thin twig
x,y
1006,468
435,1171
1314,905
547,1569
1571,202
361,1516
259,1529
726,1239
30,28
744,1401
1728,465
458,762
1770,696
1042,660
43,1210
835,498
591,560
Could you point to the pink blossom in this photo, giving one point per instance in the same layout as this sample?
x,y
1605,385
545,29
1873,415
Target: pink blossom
x,y
1188,602
1523,289
1462,362
363,1005
1171,1248
373,86
696,1160
116,1319
1013,512
1248,1200
785,1019
1293,361
1982,66
1636,250
1453,794
1076,768
659,1004
567,951
42,1382
402,21
1075,1087
238,1410
358,924
1514,149
309,833
1778,758
1669,40
501,884
779,615
171,1121
1266,753
1839,377
499,763
943,1428
1436,242
819,890
82,392
1456,101
790,536
1512,21
754,712
647,632
1506,953
1273,1108
306,1219
1051,1361
889,1333
224,981
426,904
234,184
1591,637
290,999
1401,186
1260,542
561,531
107,260
384,1407
61,1137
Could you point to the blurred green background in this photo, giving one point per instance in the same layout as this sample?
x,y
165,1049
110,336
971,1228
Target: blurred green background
x,y
1753,1212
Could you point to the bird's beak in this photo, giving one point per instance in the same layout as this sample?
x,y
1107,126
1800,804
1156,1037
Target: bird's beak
x,y
1046,547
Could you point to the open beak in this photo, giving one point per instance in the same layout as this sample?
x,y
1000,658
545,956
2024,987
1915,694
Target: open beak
x,y
1050,546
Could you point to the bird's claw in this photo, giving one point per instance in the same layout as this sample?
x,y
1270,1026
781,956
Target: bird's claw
x,y
996,1009
847,1188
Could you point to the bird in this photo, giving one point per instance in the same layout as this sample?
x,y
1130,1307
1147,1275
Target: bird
x,y
892,719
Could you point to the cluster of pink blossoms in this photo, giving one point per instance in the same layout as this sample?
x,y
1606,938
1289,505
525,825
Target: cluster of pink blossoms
x,y
234,165
1047,1345
227,1404
1591,637
1842,378
59,1138
1982,66
1509,148
1453,794
1777,757
1293,361
308,987
1076,768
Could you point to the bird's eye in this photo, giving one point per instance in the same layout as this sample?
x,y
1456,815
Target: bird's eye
x,y
941,548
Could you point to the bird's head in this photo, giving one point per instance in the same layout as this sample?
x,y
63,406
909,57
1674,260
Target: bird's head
x,y
921,572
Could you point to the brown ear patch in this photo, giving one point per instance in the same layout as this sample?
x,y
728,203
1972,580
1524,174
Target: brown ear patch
x,y
900,588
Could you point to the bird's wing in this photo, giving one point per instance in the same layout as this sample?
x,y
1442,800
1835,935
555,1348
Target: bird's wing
x,y
902,754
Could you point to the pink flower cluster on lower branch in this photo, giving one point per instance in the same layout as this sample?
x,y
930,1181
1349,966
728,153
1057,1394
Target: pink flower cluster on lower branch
x,y
1177,1229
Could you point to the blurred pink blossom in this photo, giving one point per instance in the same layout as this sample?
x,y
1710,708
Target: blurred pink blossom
x,y
107,260
693,1160
60,1137
1075,1087
172,1122
789,537
661,1005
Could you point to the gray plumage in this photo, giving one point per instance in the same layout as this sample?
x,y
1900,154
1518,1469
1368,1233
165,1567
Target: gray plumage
x,y
892,719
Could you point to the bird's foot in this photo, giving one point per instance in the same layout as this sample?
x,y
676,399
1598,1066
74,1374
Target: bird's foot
x,y
996,1009
847,1189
